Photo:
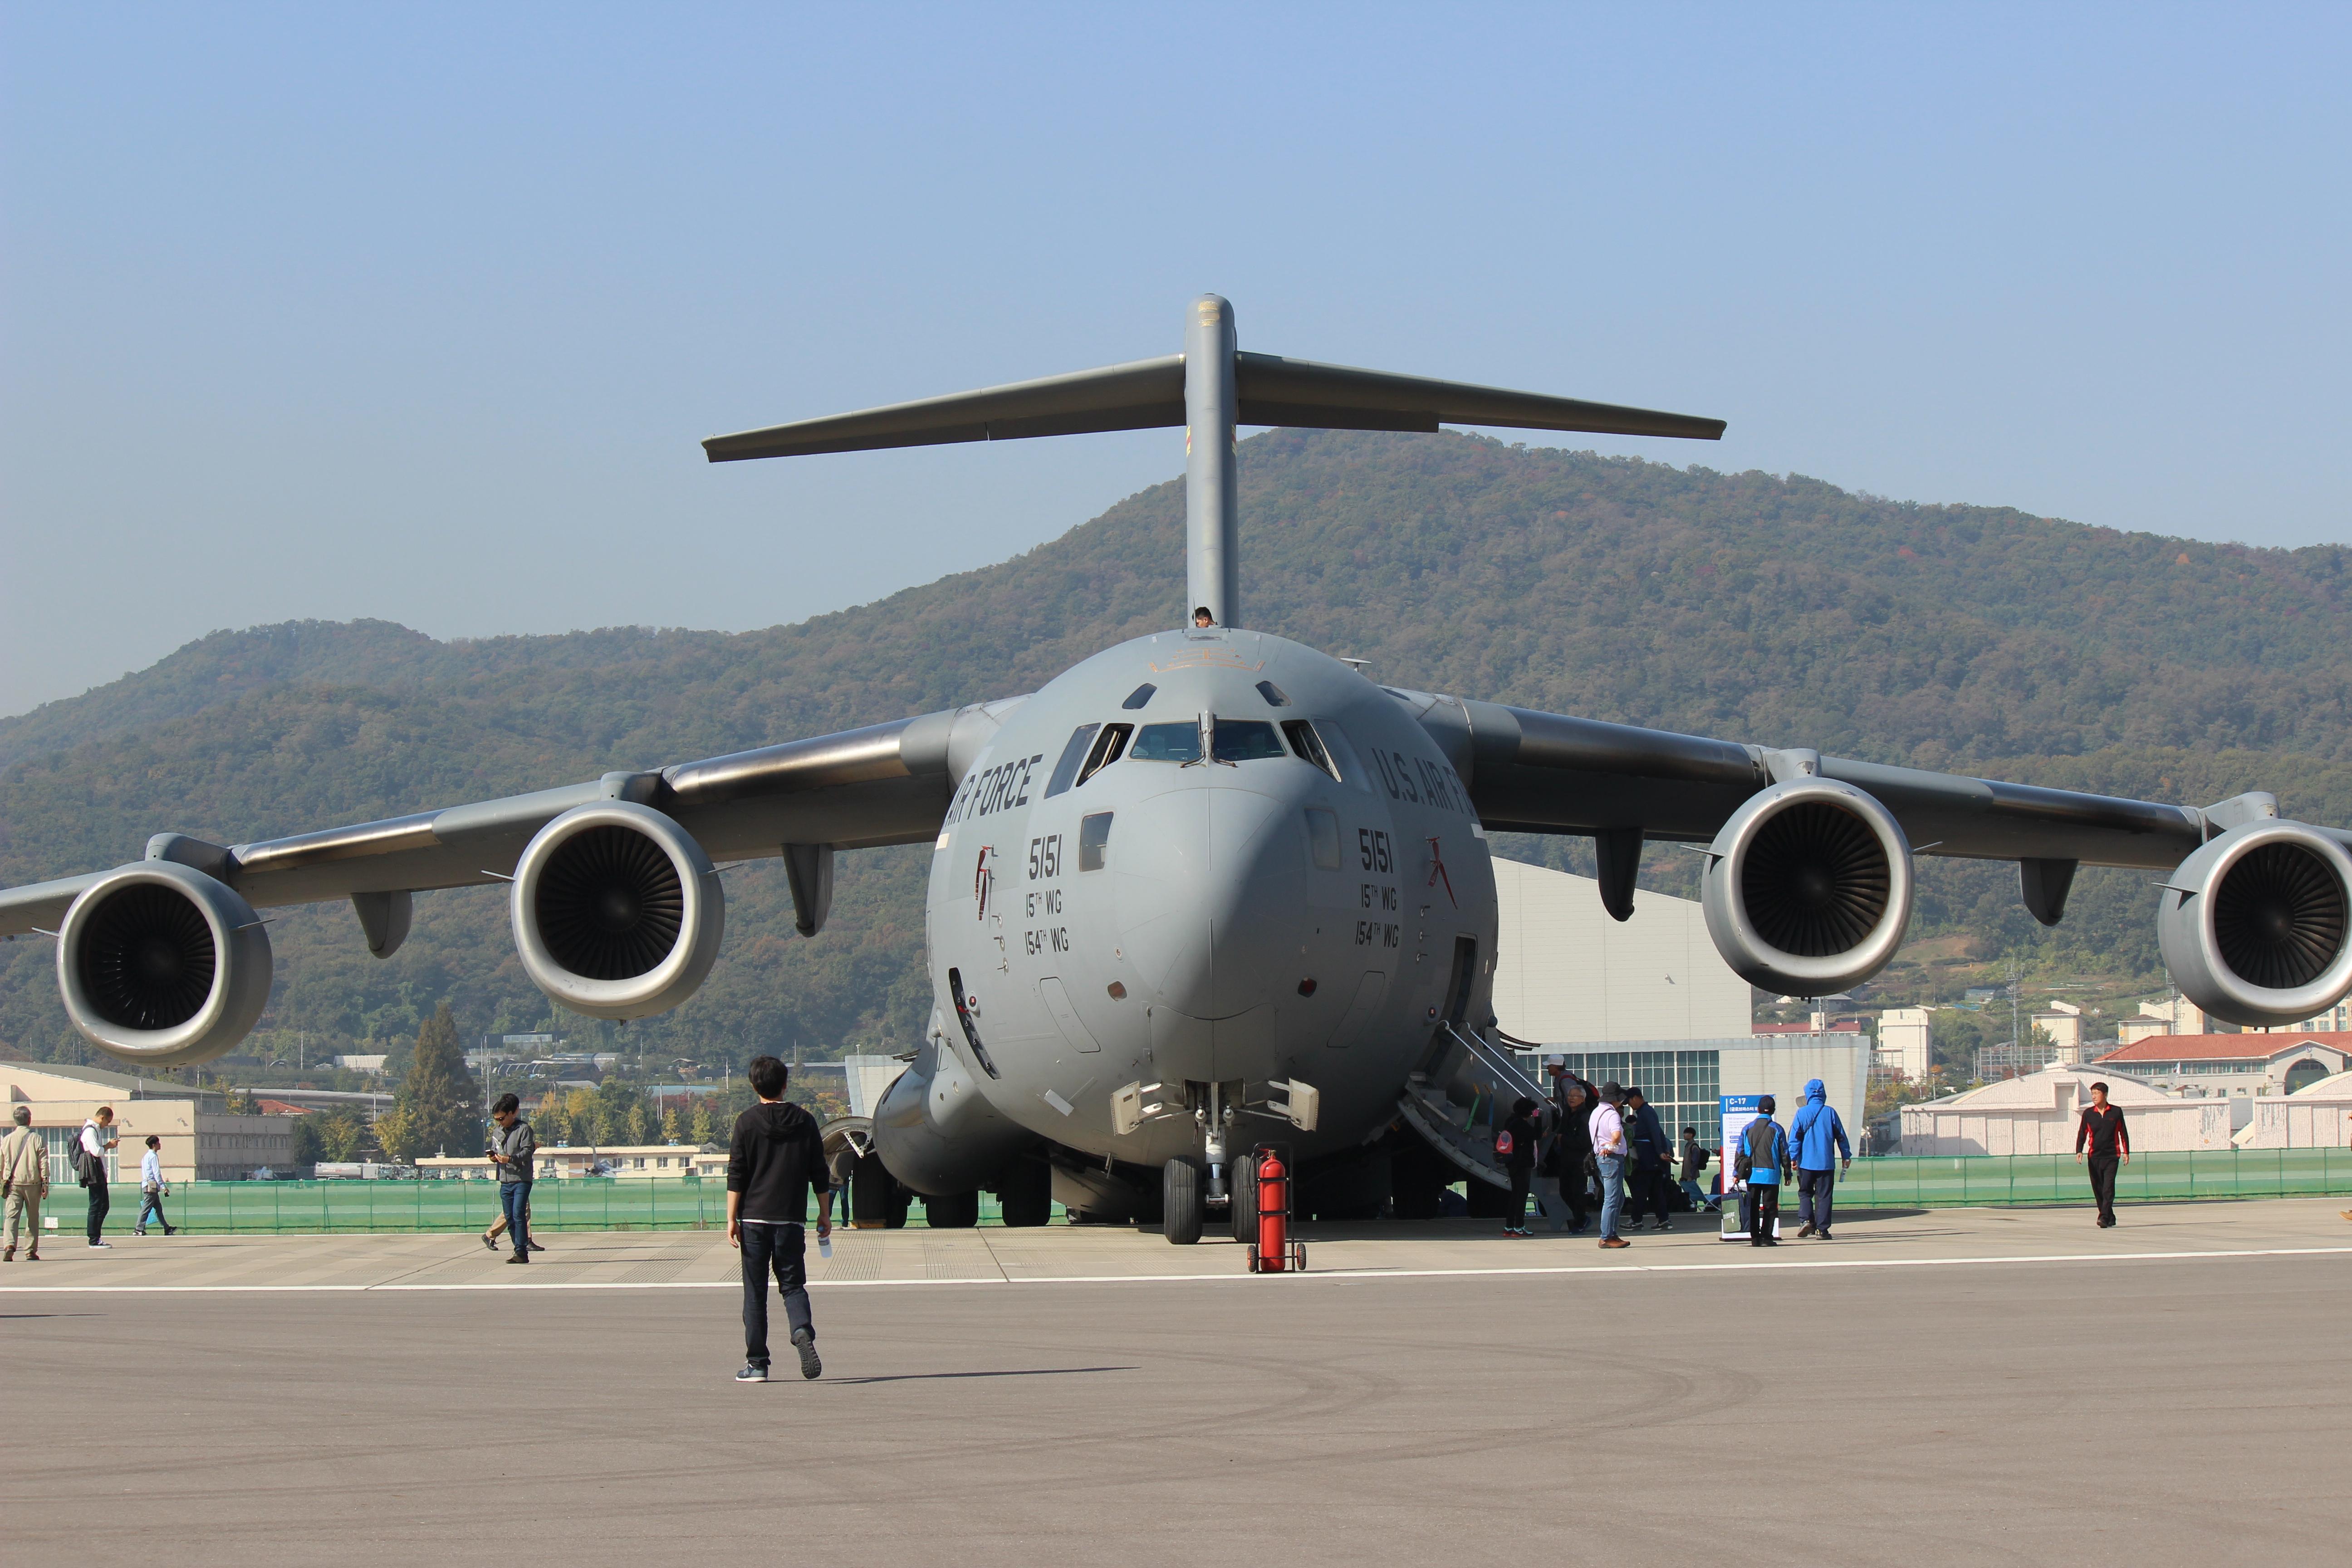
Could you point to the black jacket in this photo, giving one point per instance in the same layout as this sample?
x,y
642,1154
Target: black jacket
x,y
1573,1140
776,1160
1526,1131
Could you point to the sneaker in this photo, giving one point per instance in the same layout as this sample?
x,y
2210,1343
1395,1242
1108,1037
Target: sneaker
x,y
139,1230
805,1342
1822,1235
490,1242
171,1230
1807,1231
753,1372
101,1246
1664,1225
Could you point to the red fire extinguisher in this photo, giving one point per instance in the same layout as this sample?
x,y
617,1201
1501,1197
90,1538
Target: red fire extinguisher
x,y
1273,1251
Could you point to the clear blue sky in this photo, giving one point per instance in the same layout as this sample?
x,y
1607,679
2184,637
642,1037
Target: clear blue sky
x,y
418,312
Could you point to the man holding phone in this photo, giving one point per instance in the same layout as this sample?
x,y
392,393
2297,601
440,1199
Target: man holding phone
x,y
774,1159
514,1151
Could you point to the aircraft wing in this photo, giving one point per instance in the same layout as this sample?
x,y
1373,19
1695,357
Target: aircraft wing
x,y
884,784
1529,770
1549,772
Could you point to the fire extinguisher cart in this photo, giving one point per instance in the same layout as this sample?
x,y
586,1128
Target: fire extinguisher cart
x,y
1272,1249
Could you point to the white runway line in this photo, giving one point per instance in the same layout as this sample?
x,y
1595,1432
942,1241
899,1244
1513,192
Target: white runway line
x,y
1311,1275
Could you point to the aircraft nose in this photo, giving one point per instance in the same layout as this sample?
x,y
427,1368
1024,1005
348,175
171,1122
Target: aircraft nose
x,y
1210,890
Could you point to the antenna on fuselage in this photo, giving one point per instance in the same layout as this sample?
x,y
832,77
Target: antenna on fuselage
x,y
1210,389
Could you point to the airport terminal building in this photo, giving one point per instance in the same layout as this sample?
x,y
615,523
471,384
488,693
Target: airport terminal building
x,y
1649,1004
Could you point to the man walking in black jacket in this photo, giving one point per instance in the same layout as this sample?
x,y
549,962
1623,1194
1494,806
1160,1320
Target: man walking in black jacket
x,y
2108,1144
776,1160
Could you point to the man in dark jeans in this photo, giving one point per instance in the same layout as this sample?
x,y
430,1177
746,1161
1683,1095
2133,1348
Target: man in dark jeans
x,y
2108,1144
514,1153
1648,1167
775,1160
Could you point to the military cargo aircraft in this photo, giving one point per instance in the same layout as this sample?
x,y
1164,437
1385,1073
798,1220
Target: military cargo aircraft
x,y
1206,890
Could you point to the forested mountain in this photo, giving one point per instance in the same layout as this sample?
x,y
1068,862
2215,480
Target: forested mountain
x,y
1781,610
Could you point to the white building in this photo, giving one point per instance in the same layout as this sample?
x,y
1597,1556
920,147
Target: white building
x,y
2038,1114
2316,1116
2246,1063
1565,972
1905,1043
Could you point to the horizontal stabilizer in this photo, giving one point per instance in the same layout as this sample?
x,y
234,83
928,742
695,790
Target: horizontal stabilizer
x,y
1135,396
1277,391
1144,394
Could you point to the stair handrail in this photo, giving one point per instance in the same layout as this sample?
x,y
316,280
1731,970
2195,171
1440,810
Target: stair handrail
x,y
1498,1062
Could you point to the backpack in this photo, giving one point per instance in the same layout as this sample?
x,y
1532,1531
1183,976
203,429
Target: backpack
x,y
1503,1142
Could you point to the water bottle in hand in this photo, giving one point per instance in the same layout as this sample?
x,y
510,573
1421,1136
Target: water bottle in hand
x,y
825,1246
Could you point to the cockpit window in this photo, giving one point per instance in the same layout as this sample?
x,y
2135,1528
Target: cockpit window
x,y
1140,696
1308,744
1274,696
1244,740
1237,741
1108,747
1066,771
1167,743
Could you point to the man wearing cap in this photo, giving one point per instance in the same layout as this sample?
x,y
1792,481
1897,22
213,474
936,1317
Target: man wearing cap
x,y
1609,1148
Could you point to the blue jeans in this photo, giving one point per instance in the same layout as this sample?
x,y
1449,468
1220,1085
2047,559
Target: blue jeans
x,y
514,1201
780,1248
1612,1195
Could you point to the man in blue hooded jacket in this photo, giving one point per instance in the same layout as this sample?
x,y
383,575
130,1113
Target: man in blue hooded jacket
x,y
1812,1135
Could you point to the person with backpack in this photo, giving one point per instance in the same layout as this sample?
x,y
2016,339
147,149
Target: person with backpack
x,y
25,1181
89,1170
1694,1158
151,1188
1763,1156
1651,1169
1515,1146
1813,1132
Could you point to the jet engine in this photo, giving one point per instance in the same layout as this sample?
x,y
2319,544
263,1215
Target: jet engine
x,y
2254,924
163,965
617,912
1808,888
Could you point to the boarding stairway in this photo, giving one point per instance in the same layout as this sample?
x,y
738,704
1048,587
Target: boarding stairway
x,y
1461,1095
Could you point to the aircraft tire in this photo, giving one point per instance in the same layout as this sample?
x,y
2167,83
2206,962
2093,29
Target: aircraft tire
x,y
1243,1179
957,1211
1027,1196
1182,1211
872,1192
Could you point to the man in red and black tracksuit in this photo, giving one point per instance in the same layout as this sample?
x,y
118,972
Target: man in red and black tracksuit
x,y
2102,1135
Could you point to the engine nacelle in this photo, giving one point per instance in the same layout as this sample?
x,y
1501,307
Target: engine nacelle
x,y
617,912
1808,888
2256,926
161,965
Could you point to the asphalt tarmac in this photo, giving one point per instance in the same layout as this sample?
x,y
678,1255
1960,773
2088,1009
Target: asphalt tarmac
x,y
2158,1405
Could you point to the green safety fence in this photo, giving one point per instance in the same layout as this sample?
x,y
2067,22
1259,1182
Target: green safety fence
x,y
622,1203
1993,1180
596,1202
